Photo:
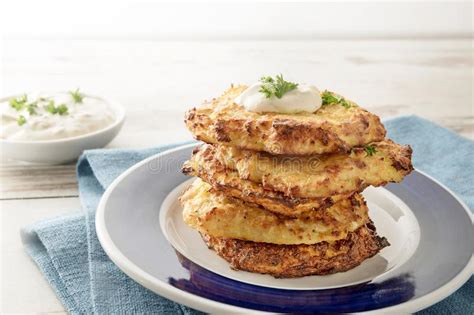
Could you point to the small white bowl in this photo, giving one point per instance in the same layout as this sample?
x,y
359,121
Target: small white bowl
x,y
65,150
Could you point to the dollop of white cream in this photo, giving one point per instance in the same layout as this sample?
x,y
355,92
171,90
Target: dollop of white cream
x,y
305,98
92,114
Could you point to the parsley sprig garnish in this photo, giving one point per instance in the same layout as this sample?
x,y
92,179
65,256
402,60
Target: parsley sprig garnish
x,y
19,102
53,109
76,96
22,105
62,109
329,98
31,108
276,86
21,120
370,150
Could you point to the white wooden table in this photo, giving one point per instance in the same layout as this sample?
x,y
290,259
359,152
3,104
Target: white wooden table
x,y
158,80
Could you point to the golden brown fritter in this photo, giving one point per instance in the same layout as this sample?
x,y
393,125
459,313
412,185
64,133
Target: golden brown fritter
x,y
228,182
289,261
305,176
211,212
332,128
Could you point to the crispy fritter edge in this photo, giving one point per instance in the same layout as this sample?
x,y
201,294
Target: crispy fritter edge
x,y
291,261
401,161
354,208
270,200
278,134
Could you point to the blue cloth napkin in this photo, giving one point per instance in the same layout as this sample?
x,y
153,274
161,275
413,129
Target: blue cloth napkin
x,y
67,251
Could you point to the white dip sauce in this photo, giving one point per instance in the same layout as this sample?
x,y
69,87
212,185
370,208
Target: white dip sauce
x,y
43,116
304,98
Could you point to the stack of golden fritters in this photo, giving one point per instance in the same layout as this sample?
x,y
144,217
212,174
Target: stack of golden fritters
x,y
280,193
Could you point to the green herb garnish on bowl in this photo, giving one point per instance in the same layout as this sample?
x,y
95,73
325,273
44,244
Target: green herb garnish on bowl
x,y
19,102
21,120
76,96
53,109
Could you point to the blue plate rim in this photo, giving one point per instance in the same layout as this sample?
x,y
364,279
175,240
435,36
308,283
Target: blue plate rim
x,y
207,305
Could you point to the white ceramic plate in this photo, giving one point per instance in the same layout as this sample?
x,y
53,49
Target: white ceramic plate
x,y
391,216
431,231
